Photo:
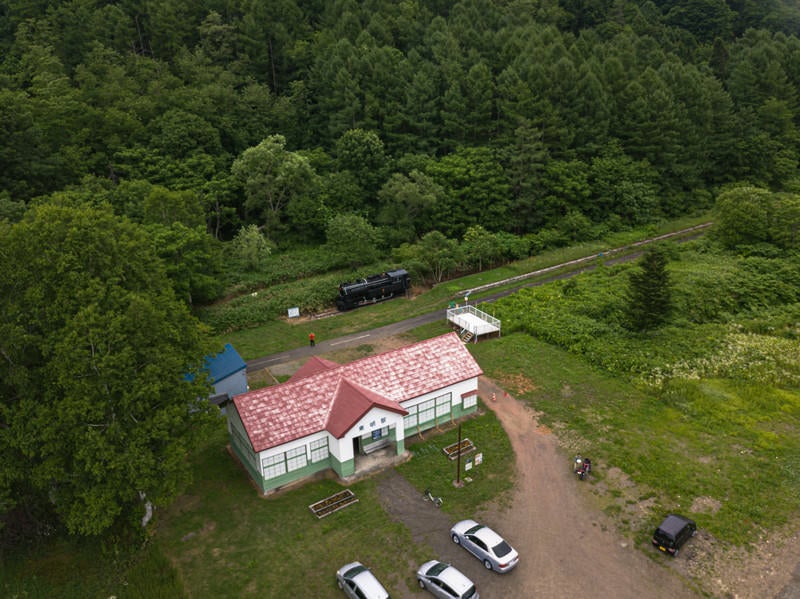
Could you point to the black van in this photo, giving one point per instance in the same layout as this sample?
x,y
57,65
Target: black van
x,y
674,531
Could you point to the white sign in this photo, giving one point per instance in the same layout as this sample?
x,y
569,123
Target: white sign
x,y
294,312
468,466
478,458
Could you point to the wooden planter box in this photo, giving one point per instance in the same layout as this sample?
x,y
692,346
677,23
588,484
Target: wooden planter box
x,y
333,503
452,451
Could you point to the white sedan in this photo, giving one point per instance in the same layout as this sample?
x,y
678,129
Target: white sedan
x,y
485,544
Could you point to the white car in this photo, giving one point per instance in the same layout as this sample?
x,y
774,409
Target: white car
x,y
357,582
485,544
445,582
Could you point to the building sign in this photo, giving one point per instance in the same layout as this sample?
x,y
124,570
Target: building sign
x,y
294,312
376,434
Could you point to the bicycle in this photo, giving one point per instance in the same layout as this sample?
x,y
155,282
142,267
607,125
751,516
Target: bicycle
x,y
428,496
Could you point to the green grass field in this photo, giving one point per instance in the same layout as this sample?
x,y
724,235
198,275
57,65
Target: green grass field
x,y
735,444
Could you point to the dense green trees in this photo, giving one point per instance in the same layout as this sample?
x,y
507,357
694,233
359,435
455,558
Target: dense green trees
x,y
271,177
95,413
509,104
748,216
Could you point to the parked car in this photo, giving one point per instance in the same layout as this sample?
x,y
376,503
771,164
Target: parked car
x,y
485,544
444,581
673,532
358,582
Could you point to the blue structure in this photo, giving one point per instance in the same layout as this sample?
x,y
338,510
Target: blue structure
x,y
228,373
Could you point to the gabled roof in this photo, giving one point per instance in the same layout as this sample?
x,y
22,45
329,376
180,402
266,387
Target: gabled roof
x,y
313,366
351,401
222,365
335,398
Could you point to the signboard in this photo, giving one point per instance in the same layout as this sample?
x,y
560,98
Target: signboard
x,y
468,465
376,434
478,458
294,312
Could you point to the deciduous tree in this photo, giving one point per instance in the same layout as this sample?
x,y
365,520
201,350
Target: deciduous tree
x,y
351,240
97,416
271,176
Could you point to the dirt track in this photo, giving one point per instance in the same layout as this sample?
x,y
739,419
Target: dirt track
x,y
566,549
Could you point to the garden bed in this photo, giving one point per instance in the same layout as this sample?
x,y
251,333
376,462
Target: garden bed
x,y
452,451
334,503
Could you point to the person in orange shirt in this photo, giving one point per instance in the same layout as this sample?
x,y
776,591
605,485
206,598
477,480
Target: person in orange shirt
x,y
311,339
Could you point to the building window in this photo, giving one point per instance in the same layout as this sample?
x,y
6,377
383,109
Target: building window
x,y
443,405
319,450
410,420
427,411
274,465
296,458
470,402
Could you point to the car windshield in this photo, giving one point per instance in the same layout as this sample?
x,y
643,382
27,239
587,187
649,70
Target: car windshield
x,y
437,569
470,592
501,549
474,529
355,571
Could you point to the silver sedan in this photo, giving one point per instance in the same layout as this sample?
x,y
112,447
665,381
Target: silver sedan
x,y
445,582
485,544
357,582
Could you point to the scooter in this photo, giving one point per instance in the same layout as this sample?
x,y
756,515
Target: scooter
x,y
582,467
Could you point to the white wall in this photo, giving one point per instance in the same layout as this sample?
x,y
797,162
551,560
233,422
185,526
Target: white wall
x,y
457,391
369,422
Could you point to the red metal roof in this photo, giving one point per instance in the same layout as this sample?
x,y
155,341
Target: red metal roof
x,y
351,401
334,399
313,366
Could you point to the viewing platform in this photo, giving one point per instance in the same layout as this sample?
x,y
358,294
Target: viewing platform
x,y
471,323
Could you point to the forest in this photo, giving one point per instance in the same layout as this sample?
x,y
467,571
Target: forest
x,y
157,157
293,123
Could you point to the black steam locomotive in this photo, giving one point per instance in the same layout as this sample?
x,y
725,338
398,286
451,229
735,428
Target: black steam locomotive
x,y
374,288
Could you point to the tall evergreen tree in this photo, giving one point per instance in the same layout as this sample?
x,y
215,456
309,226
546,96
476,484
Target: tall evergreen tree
x,y
649,291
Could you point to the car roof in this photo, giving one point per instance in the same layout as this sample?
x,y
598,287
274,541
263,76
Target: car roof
x,y
365,580
673,524
455,579
487,535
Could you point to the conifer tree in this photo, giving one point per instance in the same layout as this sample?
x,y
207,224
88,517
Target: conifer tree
x,y
649,291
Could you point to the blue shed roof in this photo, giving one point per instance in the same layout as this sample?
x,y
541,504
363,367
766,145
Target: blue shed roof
x,y
222,365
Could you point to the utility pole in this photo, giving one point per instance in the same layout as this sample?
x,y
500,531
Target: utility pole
x,y
458,459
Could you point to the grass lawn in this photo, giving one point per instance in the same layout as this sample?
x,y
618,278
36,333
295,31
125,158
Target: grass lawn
x,y
733,445
226,541
221,539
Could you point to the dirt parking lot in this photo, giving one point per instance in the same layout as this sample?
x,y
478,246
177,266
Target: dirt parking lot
x,y
569,548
